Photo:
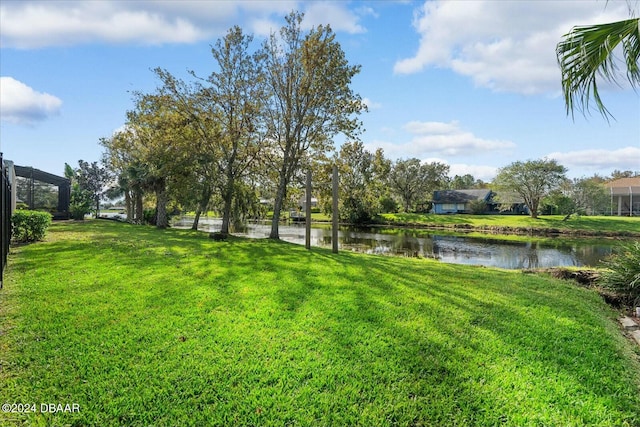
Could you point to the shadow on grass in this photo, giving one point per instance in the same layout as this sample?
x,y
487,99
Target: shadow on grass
x,y
439,344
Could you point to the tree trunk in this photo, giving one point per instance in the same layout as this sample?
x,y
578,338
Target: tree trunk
x,y
277,206
128,203
139,214
226,210
196,220
161,205
202,207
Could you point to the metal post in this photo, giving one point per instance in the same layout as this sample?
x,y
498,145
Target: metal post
x,y
307,235
334,228
3,213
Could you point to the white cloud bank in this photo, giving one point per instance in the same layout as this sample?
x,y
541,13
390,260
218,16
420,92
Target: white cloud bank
x,y
433,141
502,45
21,104
37,24
439,139
448,139
627,158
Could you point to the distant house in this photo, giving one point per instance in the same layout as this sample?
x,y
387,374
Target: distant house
x,y
469,201
459,201
625,196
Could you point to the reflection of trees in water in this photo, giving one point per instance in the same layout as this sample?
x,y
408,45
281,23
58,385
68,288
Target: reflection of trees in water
x,y
454,249
529,257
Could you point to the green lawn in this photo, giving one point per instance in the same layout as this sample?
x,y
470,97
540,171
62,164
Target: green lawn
x,y
146,327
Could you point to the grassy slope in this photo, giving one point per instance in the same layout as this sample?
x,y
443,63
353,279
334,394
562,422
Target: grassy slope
x,y
590,224
142,327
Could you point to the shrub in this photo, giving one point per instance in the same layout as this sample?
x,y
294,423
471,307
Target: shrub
x,y
388,205
29,226
478,207
622,273
81,202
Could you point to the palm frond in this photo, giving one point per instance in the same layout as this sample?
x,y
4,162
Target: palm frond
x,y
586,52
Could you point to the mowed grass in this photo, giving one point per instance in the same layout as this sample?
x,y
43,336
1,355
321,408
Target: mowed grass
x,y
589,224
144,327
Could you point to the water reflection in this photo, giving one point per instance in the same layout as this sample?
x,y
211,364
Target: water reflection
x,y
457,249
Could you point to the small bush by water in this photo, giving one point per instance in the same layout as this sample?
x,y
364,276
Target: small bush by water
x,y
622,273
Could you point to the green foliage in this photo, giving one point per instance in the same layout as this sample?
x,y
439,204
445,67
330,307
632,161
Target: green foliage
x,y
361,178
311,99
556,203
586,52
414,182
388,205
622,273
92,179
590,196
81,202
477,207
29,226
173,328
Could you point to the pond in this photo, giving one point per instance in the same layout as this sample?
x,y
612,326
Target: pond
x,y
450,248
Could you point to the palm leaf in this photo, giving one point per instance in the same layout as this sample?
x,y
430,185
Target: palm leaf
x,y
587,52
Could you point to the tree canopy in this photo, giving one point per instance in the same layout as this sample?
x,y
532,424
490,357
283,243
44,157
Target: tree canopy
x,y
532,180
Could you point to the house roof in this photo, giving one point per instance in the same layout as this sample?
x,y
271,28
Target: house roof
x,y
460,196
624,186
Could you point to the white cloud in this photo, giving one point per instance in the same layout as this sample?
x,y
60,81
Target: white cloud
x,y
627,158
437,128
439,139
36,24
485,173
448,139
39,24
505,46
333,13
371,105
21,104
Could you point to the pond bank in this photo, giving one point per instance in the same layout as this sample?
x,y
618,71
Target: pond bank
x,y
519,231
550,226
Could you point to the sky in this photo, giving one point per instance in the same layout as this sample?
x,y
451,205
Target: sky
x,y
474,84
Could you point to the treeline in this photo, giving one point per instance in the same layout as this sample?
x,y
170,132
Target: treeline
x,y
248,133
245,131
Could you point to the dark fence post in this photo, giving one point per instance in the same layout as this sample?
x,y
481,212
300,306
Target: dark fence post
x,y
5,217
307,207
334,217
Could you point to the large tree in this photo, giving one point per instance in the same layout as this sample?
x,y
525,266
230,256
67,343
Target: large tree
x,y
590,196
532,180
363,176
158,137
130,173
413,181
93,179
586,53
226,113
311,99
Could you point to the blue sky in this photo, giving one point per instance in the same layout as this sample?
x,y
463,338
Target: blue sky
x,y
472,83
